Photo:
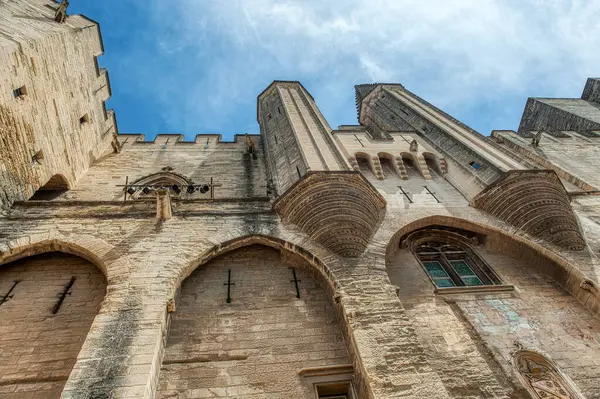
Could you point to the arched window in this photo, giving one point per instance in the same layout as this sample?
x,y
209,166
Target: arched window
x,y
450,261
541,378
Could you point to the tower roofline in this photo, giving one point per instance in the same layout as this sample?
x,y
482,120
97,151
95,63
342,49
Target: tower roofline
x,y
276,82
363,90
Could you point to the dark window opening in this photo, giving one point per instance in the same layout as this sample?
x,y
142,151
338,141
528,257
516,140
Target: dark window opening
x,y
279,110
20,92
84,119
276,139
475,165
298,170
269,116
450,265
338,390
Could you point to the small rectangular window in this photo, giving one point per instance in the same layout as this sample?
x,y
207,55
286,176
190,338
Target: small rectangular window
x,y
340,390
20,92
276,139
279,110
475,165
298,170
84,119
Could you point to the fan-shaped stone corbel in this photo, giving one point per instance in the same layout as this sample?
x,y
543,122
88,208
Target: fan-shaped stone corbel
x,y
536,202
340,210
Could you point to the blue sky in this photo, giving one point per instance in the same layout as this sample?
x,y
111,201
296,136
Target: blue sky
x,y
196,66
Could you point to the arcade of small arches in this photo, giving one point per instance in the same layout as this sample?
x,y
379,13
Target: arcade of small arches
x,y
227,266
403,166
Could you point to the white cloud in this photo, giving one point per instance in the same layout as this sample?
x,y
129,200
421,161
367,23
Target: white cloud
x,y
454,53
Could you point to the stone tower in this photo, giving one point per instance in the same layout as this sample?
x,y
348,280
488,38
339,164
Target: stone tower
x,y
405,256
53,116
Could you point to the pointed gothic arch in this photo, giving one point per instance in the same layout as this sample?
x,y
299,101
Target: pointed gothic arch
x,y
52,292
542,378
247,284
584,289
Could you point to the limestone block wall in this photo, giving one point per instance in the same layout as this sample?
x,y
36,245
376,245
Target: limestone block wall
x,y
399,166
145,261
591,91
396,109
239,173
560,114
298,138
60,112
39,348
472,337
254,346
572,155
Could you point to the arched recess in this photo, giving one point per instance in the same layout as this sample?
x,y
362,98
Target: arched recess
x,y
478,326
542,378
393,165
54,187
265,334
557,268
433,163
366,164
411,165
50,293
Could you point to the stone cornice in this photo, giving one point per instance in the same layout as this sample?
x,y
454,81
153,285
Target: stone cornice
x,y
536,202
340,210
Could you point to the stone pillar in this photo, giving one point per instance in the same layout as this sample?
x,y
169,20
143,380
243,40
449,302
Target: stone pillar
x,y
164,210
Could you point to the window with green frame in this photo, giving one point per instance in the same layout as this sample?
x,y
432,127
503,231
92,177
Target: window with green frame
x,y
453,265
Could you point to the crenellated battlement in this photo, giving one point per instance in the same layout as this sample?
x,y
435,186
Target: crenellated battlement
x,y
176,139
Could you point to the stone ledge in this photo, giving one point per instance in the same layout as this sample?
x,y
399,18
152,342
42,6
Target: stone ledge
x,y
478,289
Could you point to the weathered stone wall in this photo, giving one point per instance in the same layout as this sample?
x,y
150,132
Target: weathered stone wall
x,y
39,348
56,65
298,137
254,346
560,114
471,337
572,156
591,92
240,174
396,109
401,343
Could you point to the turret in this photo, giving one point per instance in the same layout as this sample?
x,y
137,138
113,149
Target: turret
x,y
53,118
316,188
297,138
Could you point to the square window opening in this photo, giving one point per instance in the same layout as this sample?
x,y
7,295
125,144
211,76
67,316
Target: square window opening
x,y
337,390
84,119
20,92
475,165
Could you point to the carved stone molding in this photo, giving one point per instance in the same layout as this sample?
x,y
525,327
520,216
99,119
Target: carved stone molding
x,y
340,210
541,377
536,202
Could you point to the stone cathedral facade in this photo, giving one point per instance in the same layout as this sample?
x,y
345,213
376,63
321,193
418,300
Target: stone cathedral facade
x,y
407,256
